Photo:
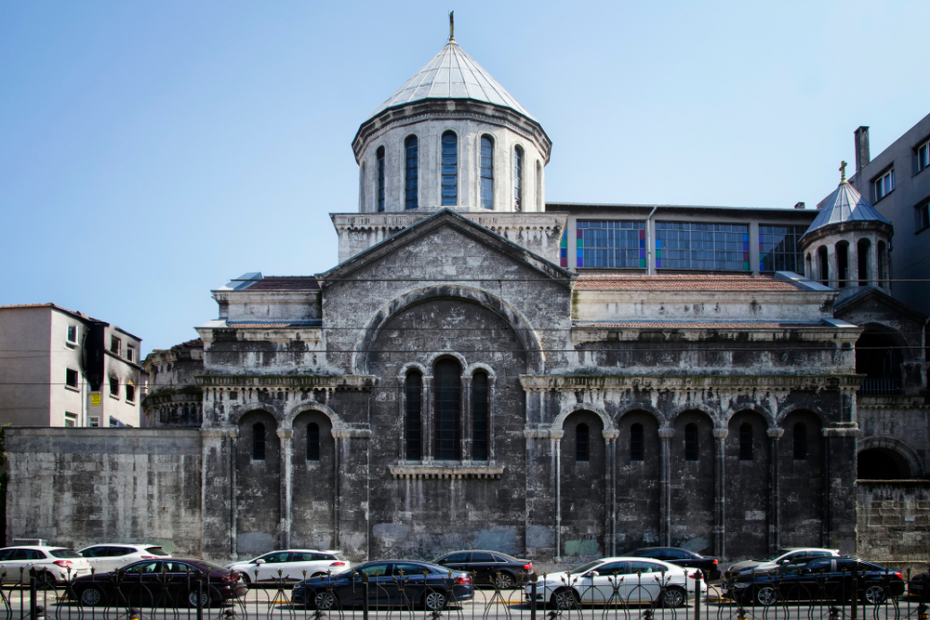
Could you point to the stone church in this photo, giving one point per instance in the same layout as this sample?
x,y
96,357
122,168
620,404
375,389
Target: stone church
x,y
486,369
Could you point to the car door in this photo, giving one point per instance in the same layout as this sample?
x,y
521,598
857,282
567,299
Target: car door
x,y
604,584
271,563
483,565
644,581
380,580
112,558
408,585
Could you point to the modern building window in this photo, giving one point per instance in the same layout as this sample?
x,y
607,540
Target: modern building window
x,y
72,334
563,250
70,419
447,423
922,213
823,263
922,154
610,243
745,442
114,387
842,263
71,378
130,393
413,386
883,184
479,419
862,253
800,442
115,345
582,442
518,179
313,442
93,421
691,442
450,163
487,172
636,442
778,248
705,247
130,353
258,442
380,156
411,201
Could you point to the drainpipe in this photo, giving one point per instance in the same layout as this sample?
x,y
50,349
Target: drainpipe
x,y
650,243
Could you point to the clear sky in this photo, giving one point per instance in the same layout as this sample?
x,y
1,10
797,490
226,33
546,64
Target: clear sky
x,y
151,151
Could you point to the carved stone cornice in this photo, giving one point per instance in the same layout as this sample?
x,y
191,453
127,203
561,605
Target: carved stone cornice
x,y
417,471
688,383
288,382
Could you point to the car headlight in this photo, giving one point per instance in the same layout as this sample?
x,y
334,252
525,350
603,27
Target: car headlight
x,y
739,585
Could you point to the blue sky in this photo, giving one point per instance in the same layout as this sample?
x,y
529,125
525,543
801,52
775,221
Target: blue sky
x,y
149,152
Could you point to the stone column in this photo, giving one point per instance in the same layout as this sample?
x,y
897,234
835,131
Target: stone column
x,y
775,434
839,467
852,267
218,499
720,500
665,486
285,435
555,439
834,266
351,491
540,484
610,441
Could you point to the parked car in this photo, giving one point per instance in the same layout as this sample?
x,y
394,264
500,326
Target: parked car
x,y
104,558
55,564
917,586
292,563
826,578
682,558
488,567
161,583
404,583
615,581
788,555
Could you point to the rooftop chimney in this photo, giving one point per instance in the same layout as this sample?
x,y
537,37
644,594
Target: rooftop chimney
x,y
862,148
799,205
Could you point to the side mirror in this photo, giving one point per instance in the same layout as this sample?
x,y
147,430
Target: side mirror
x,y
593,573
259,562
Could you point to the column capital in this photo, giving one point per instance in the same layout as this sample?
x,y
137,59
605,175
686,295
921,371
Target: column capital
x,y
611,434
720,433
285,434
843,431
775,433
666,433
351,433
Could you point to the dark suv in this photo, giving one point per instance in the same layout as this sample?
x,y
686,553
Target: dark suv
x,y
489,567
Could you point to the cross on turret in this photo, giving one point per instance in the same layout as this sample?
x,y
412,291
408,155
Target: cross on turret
x,y
842,171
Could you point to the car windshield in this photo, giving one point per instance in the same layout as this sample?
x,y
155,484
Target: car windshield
x,y
583,568
64,553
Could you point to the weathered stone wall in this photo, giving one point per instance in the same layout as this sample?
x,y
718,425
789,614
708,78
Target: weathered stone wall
x,y
82,486
894,521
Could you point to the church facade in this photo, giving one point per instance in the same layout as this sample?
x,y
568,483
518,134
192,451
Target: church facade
x,y
482,369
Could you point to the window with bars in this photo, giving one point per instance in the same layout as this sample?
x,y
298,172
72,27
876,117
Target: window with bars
x,y
691,442
450,161
411,148
800,442
778,248
610,243
517,179
703,247
380,155
487,172
582,443
637,451
447,413
313,442
413,387
745,442
258,442
479,411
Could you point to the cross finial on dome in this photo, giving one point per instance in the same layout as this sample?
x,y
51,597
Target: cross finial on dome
x,y
842,172
451,27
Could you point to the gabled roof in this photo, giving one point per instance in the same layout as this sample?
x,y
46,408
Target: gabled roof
x,y
845,205
445,217
866,293
452,74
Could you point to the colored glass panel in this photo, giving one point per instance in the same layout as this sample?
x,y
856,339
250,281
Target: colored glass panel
x,y
610,243
778,248
705,247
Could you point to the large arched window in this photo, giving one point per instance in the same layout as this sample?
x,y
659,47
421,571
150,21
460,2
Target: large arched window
x,y
582,443
487,172
413,387
380,154
411,200
636,442
313,442
824,265
862,251
745,442
450,163
800,442
479,416
518,179
691,442
447,427
258,442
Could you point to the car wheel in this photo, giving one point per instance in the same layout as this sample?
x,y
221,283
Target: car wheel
x,y
564,599
674,597
246,579
325,600
435,600
503,581
765,596
91,596
192,599
874,595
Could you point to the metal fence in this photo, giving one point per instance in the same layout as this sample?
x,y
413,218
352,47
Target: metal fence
x,y
646,597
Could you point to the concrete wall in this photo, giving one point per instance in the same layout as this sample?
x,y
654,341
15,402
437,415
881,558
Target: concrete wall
x,y
82,486
894,522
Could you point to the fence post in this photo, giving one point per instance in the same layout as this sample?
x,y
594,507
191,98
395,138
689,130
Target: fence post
x,y
200,596
533,585
854,613
365,590
698,578
32,594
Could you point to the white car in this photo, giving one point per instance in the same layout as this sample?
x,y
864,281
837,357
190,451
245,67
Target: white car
x,y
788,555
291,563
55,564
106,558
623,580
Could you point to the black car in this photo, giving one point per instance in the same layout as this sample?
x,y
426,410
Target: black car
x,y
681,557
917,586
391,583
165,582
489,567
827,578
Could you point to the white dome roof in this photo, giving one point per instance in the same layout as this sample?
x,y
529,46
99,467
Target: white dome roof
x,y
452,74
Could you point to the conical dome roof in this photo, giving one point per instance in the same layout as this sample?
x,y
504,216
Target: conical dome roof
x,y
845,205
452,74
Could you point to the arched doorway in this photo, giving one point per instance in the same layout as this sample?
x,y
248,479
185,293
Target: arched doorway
x,y
878,355
583,457
882,464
